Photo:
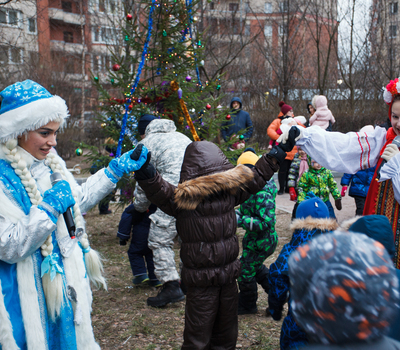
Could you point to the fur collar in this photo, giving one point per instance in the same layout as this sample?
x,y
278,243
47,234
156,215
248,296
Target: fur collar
x,y
345,225
310,223
189,194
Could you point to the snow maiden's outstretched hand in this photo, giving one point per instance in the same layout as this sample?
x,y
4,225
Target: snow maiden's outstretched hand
x,y
129,161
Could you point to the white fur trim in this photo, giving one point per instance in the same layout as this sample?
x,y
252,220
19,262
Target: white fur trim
x,y
32,116
75,273
35,337
6,332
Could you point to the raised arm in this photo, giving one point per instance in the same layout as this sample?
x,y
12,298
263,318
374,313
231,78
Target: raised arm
x,y
347,153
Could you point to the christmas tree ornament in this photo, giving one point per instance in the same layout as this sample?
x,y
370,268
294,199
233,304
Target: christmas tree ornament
x,y
179,93
208,106
126,37
96,79
111,154
103,125
116,67
201,63
192,110
164,32
218,87
79,151
241,137
129,17
112,81
228,117
188,78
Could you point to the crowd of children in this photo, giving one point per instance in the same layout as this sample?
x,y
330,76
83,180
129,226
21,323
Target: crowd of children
x,y
341,283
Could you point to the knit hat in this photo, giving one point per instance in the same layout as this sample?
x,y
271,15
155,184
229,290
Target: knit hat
x,y
313,207
144,121
27,106
248,158
376,227
343,288
284,107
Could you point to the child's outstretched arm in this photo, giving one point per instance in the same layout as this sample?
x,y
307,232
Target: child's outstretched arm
x,y
158,191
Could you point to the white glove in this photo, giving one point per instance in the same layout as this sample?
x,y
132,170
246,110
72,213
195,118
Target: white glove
x,y
390,151
285,134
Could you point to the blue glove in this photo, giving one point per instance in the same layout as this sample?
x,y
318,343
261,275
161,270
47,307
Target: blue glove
x,y
57,200
125,164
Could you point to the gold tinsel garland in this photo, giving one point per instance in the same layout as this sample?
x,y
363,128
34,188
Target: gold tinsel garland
x,y
175,87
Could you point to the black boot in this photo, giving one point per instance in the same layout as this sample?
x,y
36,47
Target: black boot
x,y
247,298
170,293
262,277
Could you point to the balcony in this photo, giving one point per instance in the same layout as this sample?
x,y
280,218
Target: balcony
x,y
67,17
71,48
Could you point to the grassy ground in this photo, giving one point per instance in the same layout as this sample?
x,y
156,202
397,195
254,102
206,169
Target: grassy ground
x,y
121,317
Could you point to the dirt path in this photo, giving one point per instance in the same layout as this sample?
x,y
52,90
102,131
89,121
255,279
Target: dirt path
x,y
121,318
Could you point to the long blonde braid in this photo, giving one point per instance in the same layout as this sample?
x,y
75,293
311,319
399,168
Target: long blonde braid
x,y
54,289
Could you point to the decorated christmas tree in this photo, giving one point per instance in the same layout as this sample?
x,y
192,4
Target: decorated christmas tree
x,y
156,71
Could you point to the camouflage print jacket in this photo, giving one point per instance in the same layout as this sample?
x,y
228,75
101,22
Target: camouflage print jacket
x,y
257,214
320,182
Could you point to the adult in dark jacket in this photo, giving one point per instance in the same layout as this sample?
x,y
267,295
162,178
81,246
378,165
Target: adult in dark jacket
x,y
378,227
203,204
240,121
344,292
359,186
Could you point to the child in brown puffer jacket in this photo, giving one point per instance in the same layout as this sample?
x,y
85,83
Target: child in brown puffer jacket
x,y
203,205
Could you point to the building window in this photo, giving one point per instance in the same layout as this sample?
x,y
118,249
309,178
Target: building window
x,y
268,7
31,25
393,8
233,7
267,30
392,53
283,6
11,55
112,6
247,7
392,31
247,30
105,35
212,6
283,29
10,17
101,63
66,6
68,37
102,7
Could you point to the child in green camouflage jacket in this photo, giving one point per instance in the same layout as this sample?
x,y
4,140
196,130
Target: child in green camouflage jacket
x,y
319,181
257,217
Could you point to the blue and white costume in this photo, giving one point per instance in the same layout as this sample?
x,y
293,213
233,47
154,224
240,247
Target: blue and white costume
x,y
35,248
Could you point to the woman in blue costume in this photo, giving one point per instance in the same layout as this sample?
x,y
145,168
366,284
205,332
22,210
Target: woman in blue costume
x,y
45,296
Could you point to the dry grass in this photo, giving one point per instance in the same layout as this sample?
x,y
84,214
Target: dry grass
x,y
121,318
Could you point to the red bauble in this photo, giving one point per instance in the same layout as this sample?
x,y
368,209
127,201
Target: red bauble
x,y
116,67
129,17
228,117
208,107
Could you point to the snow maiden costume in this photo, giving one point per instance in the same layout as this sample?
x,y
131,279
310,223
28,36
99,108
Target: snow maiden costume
x,y
354,151
45,296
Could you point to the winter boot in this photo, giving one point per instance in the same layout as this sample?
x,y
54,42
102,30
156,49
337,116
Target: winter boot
x,y
247,298
169,293
140,279
262,277
155,283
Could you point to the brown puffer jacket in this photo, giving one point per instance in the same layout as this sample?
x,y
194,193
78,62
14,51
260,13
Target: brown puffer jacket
x,y
203,205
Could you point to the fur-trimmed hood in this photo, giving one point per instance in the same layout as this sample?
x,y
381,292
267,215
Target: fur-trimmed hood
x,y
189,194
310,223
